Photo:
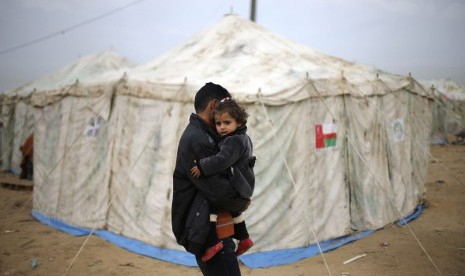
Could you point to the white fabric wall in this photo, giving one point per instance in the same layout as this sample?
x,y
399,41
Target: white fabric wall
x,y
368,175
146,134
71,161
299,190
387,173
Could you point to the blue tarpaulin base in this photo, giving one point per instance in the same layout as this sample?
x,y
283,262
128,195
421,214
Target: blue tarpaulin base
x,y
252,260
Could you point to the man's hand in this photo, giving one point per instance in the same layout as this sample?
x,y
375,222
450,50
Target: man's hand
x,y
195,171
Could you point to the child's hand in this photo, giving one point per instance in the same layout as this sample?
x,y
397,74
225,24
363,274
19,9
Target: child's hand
x,y
195,172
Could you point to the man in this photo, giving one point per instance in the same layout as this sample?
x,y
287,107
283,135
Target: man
x,y
193,197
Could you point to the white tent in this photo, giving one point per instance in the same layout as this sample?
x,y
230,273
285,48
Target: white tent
x,y
341,147
448,109
17,112
17,117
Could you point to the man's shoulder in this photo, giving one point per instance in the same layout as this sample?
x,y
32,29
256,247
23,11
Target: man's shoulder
x,y
195,129
197,133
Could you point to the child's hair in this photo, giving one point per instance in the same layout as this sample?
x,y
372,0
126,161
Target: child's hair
x,y
233,108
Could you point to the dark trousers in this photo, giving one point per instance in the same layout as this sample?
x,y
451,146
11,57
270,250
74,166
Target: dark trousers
x,y
26,167
224,263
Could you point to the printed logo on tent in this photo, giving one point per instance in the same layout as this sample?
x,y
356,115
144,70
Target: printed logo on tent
x,y
325,136
93,127
398,131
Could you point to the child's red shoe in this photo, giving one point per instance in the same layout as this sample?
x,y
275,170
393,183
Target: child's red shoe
x,y
244,245
212,251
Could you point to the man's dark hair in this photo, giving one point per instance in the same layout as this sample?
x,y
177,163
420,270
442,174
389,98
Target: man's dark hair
x,y
208,92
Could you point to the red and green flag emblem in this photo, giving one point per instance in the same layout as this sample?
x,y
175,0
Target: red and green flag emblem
x,y
325,135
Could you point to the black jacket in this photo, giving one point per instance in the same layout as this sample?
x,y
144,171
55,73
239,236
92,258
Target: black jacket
x,y
192,197
236,159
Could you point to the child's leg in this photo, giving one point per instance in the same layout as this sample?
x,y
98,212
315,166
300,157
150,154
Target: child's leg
x,y
241,233
240,229
213,244
212,239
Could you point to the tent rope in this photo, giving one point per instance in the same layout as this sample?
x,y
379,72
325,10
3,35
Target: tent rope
x,y
294,184
121,181
446,169
427,152
406,224
109,203
60,160
438,161
7,226
438,97
79,251
394,208
16,134
63,160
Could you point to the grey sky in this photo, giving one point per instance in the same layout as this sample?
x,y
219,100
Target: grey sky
x,y
425,37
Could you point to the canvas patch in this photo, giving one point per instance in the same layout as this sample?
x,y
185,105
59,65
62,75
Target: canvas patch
x,y
325,136
398,130
93,127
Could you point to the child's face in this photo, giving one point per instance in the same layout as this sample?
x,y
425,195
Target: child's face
x,y
225,124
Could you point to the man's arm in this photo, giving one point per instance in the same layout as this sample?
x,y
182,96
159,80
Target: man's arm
x,y
220,193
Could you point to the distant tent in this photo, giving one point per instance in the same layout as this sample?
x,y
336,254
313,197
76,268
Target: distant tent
x,y
17,112
17,118
448,109
341,147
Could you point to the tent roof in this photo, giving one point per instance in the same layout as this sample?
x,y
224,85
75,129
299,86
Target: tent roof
x,y
90,68
245,58
449,88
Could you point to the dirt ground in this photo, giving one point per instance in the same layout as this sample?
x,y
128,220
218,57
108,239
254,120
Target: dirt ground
x,y
394,250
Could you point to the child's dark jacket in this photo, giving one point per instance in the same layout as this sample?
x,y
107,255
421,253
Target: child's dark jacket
x,y
236,159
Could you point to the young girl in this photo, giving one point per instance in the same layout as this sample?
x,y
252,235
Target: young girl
x,y
236,158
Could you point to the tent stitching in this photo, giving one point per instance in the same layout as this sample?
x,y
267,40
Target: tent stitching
x,y
402,220
434,158
294,185
114,196
383,190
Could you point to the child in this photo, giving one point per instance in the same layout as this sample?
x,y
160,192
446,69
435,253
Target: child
x,y
236,156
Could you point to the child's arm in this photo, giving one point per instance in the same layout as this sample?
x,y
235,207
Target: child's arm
x,y
231,150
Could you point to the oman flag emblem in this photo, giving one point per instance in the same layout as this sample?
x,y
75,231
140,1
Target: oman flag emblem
x,y
325,135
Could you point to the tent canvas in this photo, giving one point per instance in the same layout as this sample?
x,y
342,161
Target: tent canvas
x,y
448,109
370,174
17,118
17,111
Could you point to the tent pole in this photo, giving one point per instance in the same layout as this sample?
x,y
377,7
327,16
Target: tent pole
x,y
253,5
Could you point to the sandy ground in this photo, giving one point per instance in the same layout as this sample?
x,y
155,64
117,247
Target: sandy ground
x,y
394,250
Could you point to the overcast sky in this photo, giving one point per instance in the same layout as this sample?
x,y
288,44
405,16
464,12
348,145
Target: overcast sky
x,y
425,37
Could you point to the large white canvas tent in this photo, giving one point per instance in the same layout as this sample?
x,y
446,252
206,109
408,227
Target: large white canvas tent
x,y
341,147
17,111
